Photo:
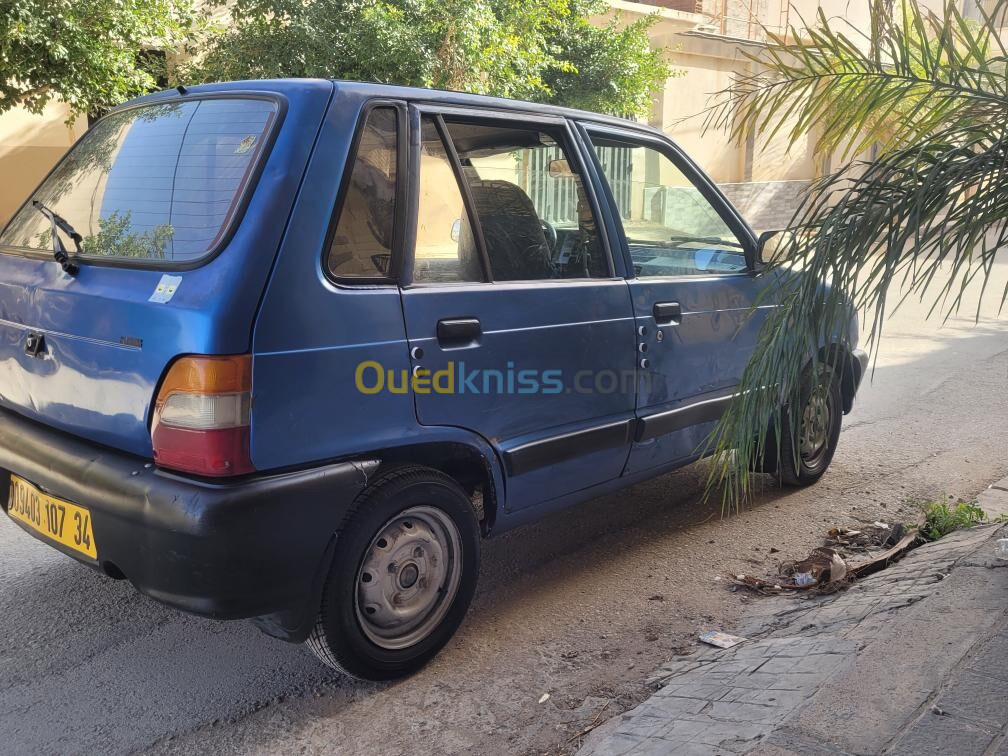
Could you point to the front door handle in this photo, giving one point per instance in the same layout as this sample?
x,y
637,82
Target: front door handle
x,y
667,313
459,332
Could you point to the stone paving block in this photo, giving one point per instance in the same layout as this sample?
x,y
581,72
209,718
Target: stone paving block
x,y
788,698
713,691
660,747
738,712
670,707
721,732
992,658
816,664
685,729
740,666
755,681
795,682
780,664
795,650
642,726
616,745
671,748
937,735
979,698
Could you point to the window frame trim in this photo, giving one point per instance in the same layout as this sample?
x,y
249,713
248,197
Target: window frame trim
x,y
692,172
228,228
517,119
467,199
402,194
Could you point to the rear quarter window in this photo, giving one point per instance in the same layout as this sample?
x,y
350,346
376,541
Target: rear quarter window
x,y
160,182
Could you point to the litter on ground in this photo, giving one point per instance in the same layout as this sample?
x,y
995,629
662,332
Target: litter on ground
x,y
830,568
719,639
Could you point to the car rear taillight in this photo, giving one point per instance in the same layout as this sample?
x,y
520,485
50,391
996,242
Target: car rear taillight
x,y
201,416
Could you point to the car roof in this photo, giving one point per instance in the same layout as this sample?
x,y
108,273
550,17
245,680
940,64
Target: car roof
x,y
369,90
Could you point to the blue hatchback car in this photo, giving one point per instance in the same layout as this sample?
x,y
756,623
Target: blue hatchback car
x,y
287,350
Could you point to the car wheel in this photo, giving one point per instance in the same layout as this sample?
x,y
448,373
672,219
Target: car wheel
x,y
806,451
402,577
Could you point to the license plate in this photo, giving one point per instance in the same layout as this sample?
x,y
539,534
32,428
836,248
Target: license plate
x,y
57,520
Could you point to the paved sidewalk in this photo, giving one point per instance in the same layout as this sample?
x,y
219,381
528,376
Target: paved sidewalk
x,y
913,659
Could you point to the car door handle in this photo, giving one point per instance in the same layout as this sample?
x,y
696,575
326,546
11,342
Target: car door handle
x,y
667,313
458,332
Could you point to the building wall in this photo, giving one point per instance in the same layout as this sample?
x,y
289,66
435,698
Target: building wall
x,y
30,145
705,40
767,205
763,177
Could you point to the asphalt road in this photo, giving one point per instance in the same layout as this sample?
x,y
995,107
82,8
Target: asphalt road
x,y
581,606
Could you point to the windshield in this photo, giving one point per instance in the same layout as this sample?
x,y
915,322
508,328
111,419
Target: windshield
x,y
160,182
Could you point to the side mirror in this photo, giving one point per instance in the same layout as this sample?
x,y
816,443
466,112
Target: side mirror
x,y
560,168
769,245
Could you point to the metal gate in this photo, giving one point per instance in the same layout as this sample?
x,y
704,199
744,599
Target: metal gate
x,y
556,198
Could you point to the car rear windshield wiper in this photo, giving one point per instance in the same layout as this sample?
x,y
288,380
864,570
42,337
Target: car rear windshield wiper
x,y
59,223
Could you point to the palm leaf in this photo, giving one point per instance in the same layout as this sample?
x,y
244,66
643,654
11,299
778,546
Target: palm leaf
x,y
928,214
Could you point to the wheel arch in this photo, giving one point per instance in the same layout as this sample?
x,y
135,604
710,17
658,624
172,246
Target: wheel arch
x,y
843,362
474,468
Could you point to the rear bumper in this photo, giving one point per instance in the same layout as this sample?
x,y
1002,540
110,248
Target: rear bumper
x,y
232,550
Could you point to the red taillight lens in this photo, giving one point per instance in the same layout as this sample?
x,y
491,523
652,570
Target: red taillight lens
x,y
202,414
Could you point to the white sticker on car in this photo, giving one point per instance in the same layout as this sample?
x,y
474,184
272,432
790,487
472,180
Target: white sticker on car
x,y
165,289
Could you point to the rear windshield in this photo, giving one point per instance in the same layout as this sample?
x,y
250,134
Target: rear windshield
x,y
160,182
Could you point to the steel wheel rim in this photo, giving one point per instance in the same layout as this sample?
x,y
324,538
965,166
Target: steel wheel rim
x,y
408,578
816,420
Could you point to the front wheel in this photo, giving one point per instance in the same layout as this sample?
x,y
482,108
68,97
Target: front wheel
x,y
810,439
403,575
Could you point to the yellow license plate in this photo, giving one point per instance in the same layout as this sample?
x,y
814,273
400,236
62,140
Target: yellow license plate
x,y
54,518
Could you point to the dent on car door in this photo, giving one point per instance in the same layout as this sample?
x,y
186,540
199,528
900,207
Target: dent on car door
x,y
513,308
692,291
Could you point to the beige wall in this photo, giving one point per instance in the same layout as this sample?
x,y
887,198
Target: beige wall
x,y
30,145
705,64
799,14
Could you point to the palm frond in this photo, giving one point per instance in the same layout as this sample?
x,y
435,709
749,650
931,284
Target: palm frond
x,y
928,214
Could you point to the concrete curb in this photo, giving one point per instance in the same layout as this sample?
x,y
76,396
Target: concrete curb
x,y
856,672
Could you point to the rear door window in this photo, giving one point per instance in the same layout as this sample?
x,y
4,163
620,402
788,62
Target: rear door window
x,y
160,182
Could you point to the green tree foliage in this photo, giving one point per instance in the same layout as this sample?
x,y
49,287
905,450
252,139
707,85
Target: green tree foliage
x,y
926,216
542,50
115,238
83,53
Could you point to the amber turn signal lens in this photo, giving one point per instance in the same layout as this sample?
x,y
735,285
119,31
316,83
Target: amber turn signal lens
x,y
208,375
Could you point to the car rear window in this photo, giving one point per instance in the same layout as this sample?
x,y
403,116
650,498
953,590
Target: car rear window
x,y
159,182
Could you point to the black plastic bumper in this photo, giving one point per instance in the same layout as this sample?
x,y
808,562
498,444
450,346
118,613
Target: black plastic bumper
x,y
231,550
862,359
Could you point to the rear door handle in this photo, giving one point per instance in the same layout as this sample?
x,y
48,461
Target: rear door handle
x,y
667,313
459,332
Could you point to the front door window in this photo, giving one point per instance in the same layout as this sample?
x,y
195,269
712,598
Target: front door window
x,y
671,228
533,217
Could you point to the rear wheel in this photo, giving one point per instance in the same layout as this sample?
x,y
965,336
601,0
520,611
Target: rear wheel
x,y
806,451
403,575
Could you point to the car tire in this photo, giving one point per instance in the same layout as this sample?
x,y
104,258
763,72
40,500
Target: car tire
x,y
403,574
807,446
